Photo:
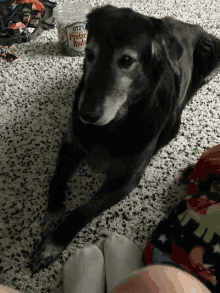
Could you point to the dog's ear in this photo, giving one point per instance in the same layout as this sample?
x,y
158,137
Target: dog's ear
x,y
173,51
169,44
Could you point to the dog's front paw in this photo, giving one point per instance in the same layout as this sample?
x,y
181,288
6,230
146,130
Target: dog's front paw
x,y
51,220
47,251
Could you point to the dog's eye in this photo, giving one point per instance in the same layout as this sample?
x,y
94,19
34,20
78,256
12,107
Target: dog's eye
x,y
89,55
126,61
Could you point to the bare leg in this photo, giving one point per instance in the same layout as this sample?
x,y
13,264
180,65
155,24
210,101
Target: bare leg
x,y
160,278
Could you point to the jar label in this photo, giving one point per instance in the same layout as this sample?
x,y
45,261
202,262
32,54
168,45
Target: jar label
x,y
76,36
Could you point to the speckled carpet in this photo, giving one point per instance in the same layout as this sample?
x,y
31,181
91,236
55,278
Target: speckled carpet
x,y
36,96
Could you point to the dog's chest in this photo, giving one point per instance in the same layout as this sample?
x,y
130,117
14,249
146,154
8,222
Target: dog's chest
x,y
97,157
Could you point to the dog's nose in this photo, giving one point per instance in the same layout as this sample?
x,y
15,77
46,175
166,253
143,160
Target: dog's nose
x,y
90,117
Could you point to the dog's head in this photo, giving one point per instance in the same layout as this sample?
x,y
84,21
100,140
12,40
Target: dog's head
x,y
125,56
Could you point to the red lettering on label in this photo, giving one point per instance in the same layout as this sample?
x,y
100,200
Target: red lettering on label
x,y
78,39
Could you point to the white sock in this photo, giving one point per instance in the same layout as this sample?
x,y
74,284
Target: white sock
x,y
122,257
84,271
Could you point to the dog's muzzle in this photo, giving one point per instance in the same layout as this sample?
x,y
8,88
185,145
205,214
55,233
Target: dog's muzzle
x,y
89,118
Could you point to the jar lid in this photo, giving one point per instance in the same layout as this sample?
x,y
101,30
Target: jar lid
x,y
77,7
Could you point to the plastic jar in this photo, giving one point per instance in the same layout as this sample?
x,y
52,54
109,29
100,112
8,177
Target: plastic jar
x,y
71,23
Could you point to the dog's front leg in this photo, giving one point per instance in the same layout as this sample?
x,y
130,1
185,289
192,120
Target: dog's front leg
x,y
68,160
115,188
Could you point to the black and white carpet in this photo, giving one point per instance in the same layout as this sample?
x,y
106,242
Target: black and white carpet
x,y
36,95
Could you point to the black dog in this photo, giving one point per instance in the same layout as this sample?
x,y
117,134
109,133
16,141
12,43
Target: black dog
x,y
139,73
